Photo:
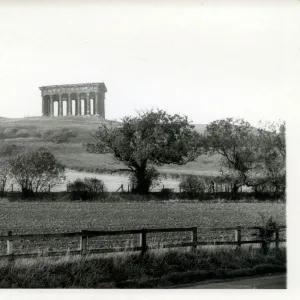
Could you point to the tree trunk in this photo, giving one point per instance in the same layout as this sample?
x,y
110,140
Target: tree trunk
x,y
234,191
143,180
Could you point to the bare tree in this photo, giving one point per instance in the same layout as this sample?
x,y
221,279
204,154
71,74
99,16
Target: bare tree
x,y
36,171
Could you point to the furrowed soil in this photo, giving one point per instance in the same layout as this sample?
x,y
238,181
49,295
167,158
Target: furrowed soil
x,y
45,217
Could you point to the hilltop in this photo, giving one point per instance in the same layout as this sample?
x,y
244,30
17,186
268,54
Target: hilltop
x,y
28,133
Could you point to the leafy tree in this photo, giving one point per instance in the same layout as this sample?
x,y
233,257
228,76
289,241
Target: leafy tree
x,y
236,142
4,174
272,155
36,171
153,138
6,152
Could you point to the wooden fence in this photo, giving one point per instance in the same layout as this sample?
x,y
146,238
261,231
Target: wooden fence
x,y
84,235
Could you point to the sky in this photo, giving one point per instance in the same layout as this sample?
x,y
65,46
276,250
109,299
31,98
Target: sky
x,y
207,60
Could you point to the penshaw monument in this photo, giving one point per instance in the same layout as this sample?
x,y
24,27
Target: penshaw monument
x,y
74,99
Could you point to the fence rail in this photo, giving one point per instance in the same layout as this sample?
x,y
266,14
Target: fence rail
x,y
143,247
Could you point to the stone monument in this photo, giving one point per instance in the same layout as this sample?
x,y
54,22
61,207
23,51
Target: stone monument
x,y
81,99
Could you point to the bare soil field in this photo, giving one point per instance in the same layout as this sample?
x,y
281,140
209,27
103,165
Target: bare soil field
x,y
34,217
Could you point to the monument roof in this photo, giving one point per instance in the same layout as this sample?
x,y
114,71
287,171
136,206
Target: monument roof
x,y
75,85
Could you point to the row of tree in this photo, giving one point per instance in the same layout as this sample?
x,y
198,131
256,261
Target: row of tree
x,y
253,157
249,156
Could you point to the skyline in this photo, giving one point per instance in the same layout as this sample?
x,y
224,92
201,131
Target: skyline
x,y
208,60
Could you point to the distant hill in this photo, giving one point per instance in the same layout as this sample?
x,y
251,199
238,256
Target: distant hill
x,y
73,153
83,126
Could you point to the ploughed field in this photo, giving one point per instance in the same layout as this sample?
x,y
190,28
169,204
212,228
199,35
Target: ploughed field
x,y
34,218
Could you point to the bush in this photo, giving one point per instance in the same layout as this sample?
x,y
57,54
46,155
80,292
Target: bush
x,y
46,135
266,231
10,132
7,149
193,185
167,193
88,188
62,136
22,133
37,134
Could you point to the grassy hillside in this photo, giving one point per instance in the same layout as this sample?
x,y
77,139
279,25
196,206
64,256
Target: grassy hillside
x,y
27,133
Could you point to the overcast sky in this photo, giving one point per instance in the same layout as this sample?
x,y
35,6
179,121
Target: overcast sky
x,y
204,59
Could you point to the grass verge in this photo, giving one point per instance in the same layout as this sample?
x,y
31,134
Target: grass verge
x,y
128,270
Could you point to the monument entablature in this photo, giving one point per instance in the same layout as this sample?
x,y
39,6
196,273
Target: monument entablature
x,y
81,99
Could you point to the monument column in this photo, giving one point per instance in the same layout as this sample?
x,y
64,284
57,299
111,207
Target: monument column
x,y
59,105
69,105
96,104
101,106
51,105
85,101
78,108
43,106
88,104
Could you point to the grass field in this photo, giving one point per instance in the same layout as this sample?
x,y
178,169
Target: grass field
x,y
74,155
30,217
156,269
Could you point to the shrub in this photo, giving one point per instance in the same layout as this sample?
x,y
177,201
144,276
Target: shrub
x,y
10,132
37,134
192,185
46,135
62,136
7,149
266,231
167,193
88,188
22,133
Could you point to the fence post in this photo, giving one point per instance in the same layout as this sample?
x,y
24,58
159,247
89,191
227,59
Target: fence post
x,y
143,241
194,239
10,250
277,239
49,188
83,244
264,242
238,237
